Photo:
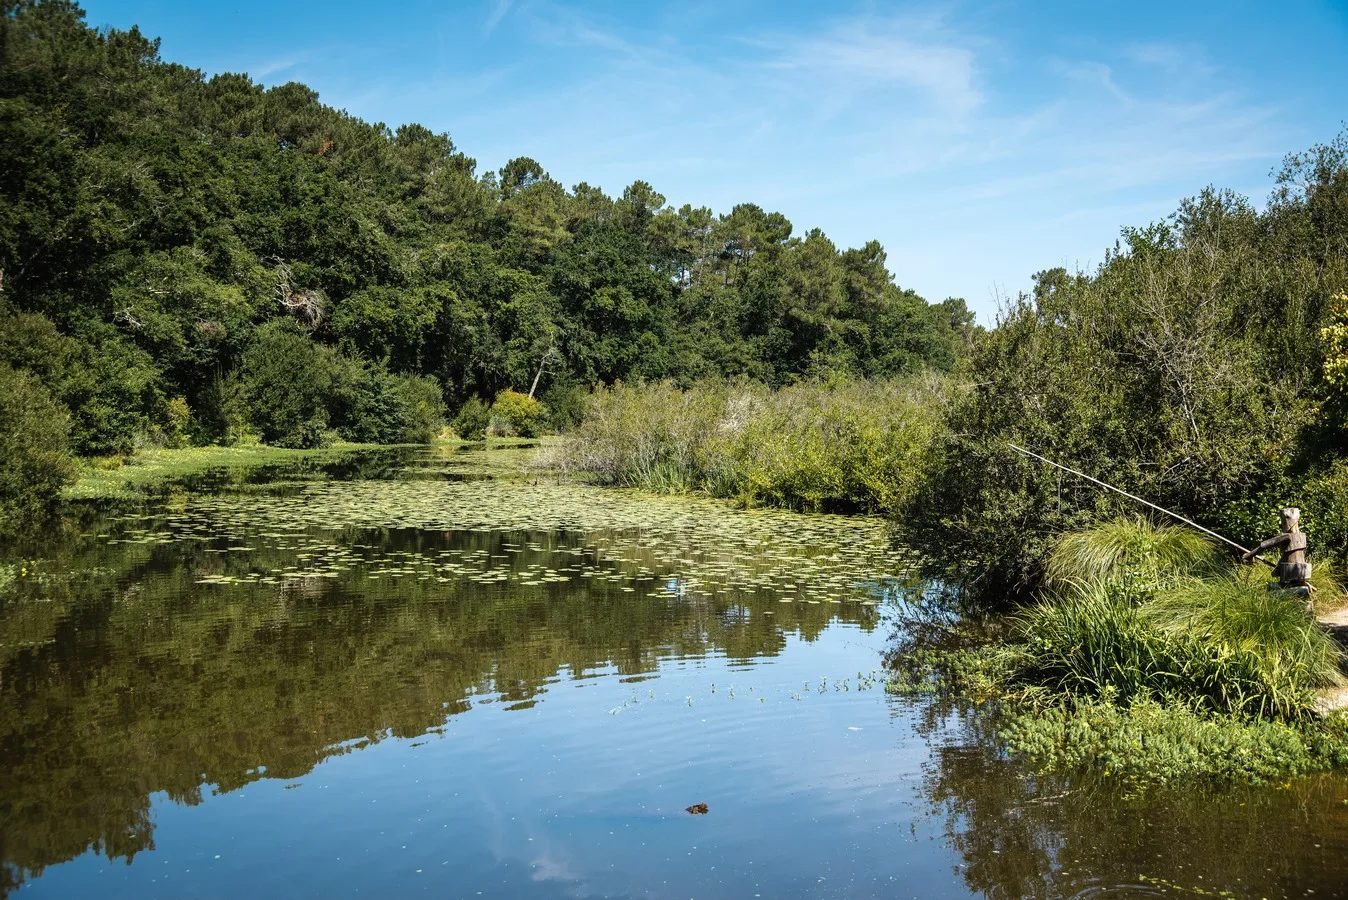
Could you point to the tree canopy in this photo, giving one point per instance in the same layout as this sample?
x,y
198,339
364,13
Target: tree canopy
x,y
157,225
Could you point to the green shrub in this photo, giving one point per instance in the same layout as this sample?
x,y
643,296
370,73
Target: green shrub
x,y
177,420
286,382
471,422
374,406
842,446
113,389
422,409
519,414
654,436
34,447
1323,499
566,406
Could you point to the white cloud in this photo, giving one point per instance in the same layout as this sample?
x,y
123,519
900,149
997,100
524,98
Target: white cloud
x,y
862,56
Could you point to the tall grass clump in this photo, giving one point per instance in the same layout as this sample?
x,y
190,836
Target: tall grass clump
x,y
1132,553
1265,638
850,446
1141,611
839,446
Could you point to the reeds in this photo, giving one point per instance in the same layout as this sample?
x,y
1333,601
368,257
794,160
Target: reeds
x,y
840,446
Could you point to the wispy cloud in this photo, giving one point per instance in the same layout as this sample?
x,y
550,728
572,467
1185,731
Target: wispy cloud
x,y
1092,73
273,66
499,10
1169,58
868,54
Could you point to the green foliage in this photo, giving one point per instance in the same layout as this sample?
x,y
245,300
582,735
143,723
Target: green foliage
x,y
566,405
1153,662
35,447
513,413
1187,369
472,420
651,435
1269,632
1144,611
839,446
178,417
842,447
1220,647
286,383
154,223
377,407
1131,555
1154,742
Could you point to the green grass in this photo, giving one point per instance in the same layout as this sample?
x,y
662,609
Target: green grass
x,y
112,479
106,479
1218,645
1131,551
1150,658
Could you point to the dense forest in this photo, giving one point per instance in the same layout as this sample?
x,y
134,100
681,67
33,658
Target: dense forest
x,y
191,260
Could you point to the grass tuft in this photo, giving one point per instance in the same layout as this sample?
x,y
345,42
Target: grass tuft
x,y
1132,552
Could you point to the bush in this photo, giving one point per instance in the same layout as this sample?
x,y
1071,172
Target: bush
x,y
112,389
35,448
657,437
177,420
286,382
422,412
471,422
566,406
516,413
845,446
377,407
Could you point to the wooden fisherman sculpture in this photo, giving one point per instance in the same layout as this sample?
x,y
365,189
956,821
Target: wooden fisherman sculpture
x,y
1292,571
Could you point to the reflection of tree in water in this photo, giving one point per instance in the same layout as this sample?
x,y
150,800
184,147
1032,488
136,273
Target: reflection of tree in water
x,y
1022,835
139,680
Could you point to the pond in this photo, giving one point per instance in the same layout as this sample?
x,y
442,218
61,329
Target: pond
x,y
399,675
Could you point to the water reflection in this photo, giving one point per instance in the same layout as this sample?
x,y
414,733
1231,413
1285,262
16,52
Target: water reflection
x,y
405,682
1021,835
188,651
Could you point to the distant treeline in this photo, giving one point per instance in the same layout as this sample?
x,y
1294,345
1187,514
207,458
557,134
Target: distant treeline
x,y
189,259
1203,365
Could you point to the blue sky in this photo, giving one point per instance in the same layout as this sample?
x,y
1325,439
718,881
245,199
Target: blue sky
x,y
979,142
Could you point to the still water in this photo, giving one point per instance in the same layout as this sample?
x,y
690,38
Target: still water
x,y
399,677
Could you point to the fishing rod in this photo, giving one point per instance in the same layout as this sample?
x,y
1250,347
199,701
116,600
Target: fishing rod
x,y
1173,515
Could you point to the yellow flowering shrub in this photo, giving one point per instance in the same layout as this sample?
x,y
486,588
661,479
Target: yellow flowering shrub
x,y
1335,336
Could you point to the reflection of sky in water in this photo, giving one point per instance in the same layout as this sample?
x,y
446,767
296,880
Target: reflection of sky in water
x,y
581,795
